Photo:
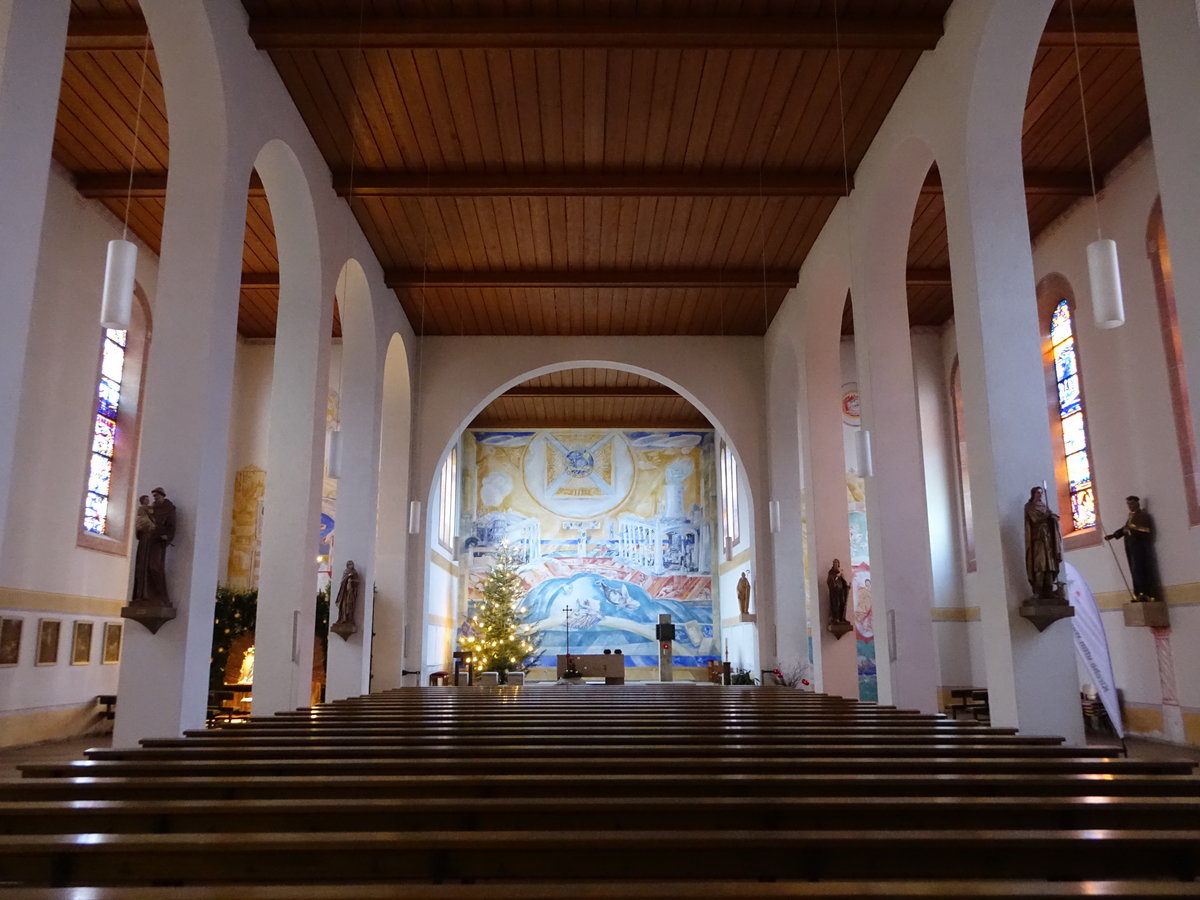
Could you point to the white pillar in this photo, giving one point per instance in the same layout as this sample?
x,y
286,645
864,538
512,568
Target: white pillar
x,y
185,427
897,516
392,626
786,543
284,632
1169,34
1031,675
347,671
32,39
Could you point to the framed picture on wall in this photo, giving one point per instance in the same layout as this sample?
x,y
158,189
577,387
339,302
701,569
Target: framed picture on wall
x,y
112,644
10,641
47,643
81,644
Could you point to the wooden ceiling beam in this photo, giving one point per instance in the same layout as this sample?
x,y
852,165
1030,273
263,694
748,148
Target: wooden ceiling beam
x,y
1037,184
657,390
565,32
749,184
153,185
259,281
928,277
1115,31
606,278
129,33
86,33
145,185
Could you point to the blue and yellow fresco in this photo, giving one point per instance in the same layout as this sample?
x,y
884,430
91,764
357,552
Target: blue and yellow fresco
x,y
613,528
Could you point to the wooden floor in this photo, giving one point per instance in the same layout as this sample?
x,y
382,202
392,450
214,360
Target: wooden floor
x,y
637,791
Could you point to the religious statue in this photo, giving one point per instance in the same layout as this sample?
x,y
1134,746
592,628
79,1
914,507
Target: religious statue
x,y
839,592
154,527
1138,533
1043,547
743,592
347,602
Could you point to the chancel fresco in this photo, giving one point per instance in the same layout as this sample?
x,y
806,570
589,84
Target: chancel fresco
x,y
612,528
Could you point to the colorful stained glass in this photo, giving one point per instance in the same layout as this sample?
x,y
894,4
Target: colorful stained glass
x,y
1068,396
108,397
1074,438
104,436
1079,471
100,474
1064,360
113,362
1083,509
1060,324
116,336
95,514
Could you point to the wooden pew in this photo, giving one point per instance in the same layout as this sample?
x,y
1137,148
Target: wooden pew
x,y
636,890
735,853
699,787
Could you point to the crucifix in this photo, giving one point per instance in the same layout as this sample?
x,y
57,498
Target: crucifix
x,y
569,671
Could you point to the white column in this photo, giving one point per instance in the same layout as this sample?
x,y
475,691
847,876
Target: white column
x,y
786,544
189,379
826,507
1169,33
347,670
897,516
1031,675
32,40
284,632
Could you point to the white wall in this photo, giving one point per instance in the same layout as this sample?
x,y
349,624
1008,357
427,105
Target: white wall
x,y
43,574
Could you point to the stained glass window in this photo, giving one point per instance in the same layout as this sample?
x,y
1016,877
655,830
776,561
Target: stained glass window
x,y
104,433
1070,412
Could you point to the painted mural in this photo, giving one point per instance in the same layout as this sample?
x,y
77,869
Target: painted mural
x,y
613,528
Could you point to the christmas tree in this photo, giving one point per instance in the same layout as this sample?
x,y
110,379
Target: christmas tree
x,y
499,637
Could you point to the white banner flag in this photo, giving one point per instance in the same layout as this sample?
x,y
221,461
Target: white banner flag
x,y
1091,643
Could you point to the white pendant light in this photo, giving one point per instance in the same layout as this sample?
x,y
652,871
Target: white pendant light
x,y
1104,273
866,465
120,267
333,454
1108,308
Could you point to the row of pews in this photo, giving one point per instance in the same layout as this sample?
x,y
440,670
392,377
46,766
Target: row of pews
x,y
651,791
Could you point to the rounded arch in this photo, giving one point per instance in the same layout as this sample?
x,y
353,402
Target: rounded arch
x,y
296,235
392,614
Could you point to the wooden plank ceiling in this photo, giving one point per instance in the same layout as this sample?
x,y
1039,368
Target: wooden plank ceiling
x,y
573,167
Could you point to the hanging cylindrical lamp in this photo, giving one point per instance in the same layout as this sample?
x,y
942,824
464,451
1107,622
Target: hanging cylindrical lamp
x,y
866,465
1105,276
333,454
120,267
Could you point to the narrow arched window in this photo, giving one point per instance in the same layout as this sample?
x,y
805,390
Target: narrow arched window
x,y
448,500
104,433
113,439
1164,289
1071,418
964,479
1074,478
730,505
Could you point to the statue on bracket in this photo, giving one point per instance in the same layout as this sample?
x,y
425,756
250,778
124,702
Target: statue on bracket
x,y
839,594
743,594
154,528
347,602
1043,547
1138,534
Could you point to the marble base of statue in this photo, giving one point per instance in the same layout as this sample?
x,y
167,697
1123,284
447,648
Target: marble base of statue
x,y
1147,614
343,629
839,627
152,615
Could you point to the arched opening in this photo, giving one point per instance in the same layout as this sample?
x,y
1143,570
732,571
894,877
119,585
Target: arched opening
x,y
608,496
